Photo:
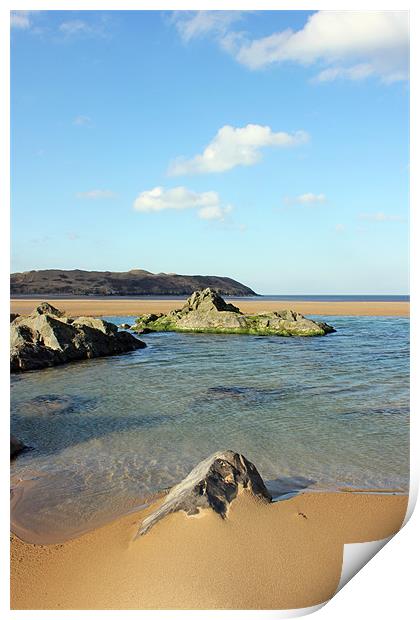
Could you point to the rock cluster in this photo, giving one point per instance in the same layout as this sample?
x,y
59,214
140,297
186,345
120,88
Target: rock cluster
x,y
47,338
206,311
214,483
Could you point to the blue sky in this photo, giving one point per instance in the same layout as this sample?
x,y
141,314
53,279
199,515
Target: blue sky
x,y
271,147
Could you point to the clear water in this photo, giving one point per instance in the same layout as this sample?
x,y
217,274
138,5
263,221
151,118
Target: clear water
x,y
324,413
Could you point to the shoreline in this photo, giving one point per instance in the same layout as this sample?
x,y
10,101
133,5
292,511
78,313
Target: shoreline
x,y
283,555
143,505
135,307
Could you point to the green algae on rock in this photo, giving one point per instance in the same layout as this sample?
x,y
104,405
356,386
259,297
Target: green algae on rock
x,y
207,312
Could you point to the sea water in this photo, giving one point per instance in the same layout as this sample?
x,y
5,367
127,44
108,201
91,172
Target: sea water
x,y
323,413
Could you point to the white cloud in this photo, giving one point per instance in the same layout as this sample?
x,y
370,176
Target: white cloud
x,y
235,146
381,217
306,199
82,121
351,45
159,199
194,24
20,19
179,198
354,44
309,197
96,194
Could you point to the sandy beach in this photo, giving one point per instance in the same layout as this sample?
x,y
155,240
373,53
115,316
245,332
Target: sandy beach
x,y
135,307
277,556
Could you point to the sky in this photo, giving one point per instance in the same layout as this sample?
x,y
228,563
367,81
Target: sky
x,y
267,146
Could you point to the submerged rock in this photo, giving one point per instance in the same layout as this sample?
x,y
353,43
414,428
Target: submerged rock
x,y
47,338
206,311
53,404
214,483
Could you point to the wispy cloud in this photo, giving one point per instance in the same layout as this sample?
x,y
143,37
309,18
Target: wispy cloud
x,y
235,146
96,194
215,212
78,27
305,199
351,45
195,24
82,121
75,27
207,204
381,217
355,73
20,19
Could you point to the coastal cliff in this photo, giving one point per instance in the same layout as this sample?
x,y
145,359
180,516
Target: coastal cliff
x,y
135,282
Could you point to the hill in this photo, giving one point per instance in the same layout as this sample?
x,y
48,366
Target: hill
x,y
135,282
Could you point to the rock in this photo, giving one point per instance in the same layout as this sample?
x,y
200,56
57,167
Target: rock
x,y
13,316
16,447
206,311
208,301
90,321
124,326
46,308
46,339
143,330
55,404
214,483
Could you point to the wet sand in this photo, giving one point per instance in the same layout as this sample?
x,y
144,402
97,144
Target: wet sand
x,y
279,556
134,307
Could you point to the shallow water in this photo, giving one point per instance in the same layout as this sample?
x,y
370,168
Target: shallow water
x,y
324,413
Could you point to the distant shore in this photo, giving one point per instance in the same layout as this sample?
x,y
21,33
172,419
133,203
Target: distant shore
x,y
134,307
279,556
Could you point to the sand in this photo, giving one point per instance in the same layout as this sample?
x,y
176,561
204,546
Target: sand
x,y
134,307
278,556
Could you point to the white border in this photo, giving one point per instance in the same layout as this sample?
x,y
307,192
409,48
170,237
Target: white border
x,y
386,586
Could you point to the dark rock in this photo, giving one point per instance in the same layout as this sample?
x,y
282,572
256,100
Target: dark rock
x,y
46,339
13,316
143,330
16,447
124,326
206,311
214,483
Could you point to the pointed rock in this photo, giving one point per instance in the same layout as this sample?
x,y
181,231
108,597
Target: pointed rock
x,y
46,308
214,483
